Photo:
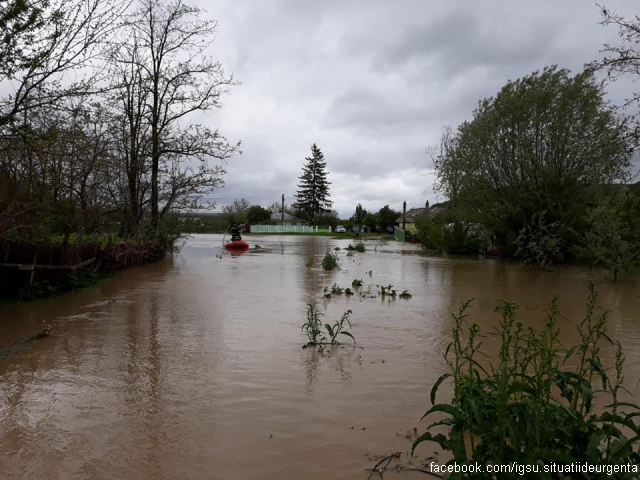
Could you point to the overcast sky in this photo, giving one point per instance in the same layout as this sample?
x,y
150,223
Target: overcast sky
x,y
373,82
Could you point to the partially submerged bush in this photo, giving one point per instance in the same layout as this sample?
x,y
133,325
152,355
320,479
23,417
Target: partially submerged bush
x,y
530,407
359,247
330,261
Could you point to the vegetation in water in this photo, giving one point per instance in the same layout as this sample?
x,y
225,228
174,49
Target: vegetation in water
x,y
405,294
330,261
338,328
356,283
359,247
348,291
313,328
387,291
535,405
336,289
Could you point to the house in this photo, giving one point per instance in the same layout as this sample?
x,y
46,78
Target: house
x,y
414,214
289,219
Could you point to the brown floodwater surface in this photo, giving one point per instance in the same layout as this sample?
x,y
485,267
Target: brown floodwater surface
x,y
192,367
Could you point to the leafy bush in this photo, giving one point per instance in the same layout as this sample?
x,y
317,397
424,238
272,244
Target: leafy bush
x,y
538,242
330,261
530,407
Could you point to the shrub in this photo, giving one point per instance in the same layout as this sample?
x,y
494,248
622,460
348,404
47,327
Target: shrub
x,y
330,261
530,408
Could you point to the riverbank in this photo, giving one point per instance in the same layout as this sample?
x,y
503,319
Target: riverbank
x,y
30,270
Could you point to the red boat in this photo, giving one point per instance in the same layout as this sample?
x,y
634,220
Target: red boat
x,y
236,245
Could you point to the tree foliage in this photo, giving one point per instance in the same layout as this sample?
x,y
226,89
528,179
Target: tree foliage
x,y
387,217
359,215
537,146
258,215
97,130
312,197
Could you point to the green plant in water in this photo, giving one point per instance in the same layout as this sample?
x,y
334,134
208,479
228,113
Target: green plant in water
x,y
348,291
356,283
405,294
388,290
312,328
359,247
338,328
336,290
529,407
330,261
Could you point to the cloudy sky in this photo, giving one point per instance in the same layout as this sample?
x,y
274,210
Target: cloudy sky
x,y
373,82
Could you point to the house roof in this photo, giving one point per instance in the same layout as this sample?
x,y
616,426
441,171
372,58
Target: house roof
x,y
415,213
277,217
412,215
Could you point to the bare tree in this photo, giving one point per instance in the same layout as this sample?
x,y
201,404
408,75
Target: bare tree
x,y
180,80
43,41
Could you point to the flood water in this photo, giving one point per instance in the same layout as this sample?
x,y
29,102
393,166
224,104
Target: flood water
x,y
192,367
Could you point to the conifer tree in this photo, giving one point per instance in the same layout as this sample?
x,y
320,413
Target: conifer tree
x,y
312,197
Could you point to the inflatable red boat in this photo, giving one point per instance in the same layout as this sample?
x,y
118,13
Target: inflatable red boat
x,y
236,245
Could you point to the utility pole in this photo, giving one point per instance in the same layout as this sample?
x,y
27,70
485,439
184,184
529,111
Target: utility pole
x,y
282,210
404,214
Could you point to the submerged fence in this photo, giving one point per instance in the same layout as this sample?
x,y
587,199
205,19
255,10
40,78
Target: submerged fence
x,y
288,229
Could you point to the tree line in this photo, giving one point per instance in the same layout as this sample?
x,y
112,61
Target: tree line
x,y
98,132
542,172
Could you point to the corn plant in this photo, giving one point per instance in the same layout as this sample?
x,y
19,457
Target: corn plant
x,y
405,294
528,407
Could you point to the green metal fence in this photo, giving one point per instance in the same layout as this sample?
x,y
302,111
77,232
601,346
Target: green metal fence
x,y
400,234
288,229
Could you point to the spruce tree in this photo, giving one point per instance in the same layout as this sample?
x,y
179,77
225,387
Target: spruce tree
x,y
312,197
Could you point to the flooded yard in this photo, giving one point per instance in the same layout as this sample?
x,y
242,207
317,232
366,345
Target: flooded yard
x,y
192,367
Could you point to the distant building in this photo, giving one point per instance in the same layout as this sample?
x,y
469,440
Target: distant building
x,y
414,214
288,219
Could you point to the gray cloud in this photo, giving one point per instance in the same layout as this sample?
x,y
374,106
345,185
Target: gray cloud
x,y
373,83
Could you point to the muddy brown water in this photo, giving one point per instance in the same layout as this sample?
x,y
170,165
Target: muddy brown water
x,y
192,368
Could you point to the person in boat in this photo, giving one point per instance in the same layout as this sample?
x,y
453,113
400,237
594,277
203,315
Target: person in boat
x,y
235,233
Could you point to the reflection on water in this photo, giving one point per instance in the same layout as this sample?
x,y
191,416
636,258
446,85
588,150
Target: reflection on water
x,y
193,368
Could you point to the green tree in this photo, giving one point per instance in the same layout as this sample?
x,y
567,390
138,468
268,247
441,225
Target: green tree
x,y
370,220
387,217
359,215
612,239
538,146
258,215
312,197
